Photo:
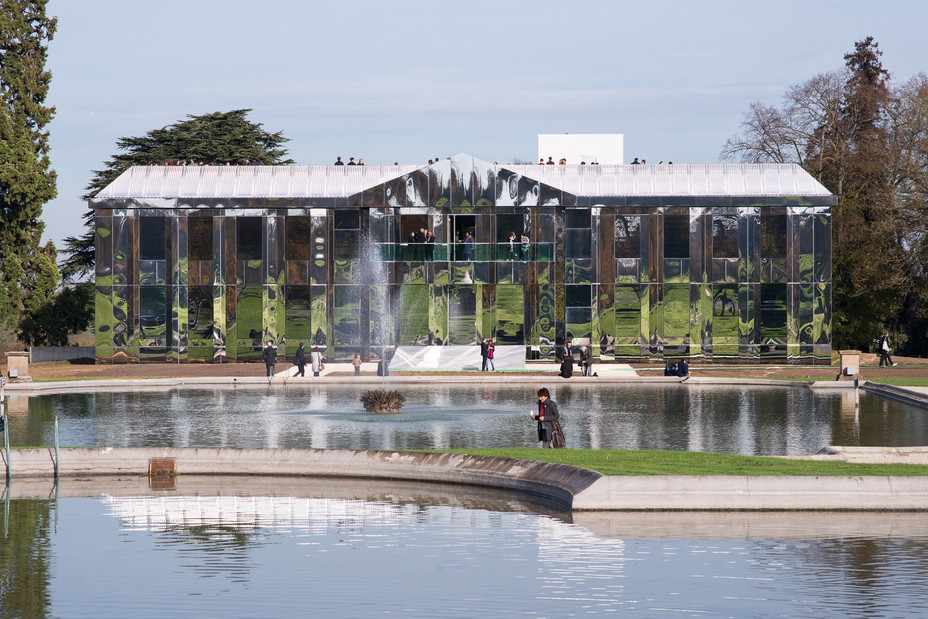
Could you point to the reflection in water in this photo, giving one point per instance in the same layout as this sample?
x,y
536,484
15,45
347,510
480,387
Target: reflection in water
x,y
747,420
206,556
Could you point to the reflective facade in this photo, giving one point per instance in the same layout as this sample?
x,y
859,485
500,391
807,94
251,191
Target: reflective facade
x,y
718,262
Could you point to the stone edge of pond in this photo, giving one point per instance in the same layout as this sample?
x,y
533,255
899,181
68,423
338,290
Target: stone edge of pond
x,y
154,384
575,488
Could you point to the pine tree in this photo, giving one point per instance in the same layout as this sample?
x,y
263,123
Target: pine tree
x,y
211,139
26,179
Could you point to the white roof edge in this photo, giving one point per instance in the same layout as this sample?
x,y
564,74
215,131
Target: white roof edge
x,y
708,179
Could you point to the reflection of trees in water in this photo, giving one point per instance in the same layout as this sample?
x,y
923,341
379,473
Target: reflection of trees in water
x,y
25,554
214,548
857,568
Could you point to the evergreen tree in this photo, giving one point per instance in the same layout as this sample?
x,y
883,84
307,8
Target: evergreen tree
x,y
868,143
211,139
26,180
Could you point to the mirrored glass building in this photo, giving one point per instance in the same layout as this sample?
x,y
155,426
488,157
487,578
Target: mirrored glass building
x,y
712,262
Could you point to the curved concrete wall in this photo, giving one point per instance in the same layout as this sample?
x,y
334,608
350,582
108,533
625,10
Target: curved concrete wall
x,y
555,482
576,488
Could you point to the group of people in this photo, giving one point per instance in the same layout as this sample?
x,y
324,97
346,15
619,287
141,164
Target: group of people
x,y
677,369
269,355
519,247
351,161
561,161
487,352
645,162
584,362
421,245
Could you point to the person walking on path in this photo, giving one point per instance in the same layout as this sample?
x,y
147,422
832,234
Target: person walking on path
x,y
299,360
484,354
546,417
270,358
885,349
357,364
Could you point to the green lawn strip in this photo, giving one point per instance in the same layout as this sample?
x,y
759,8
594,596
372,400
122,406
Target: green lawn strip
x,y
901,381
640,462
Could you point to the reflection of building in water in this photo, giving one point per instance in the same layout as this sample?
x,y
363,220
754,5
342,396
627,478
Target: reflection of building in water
x,y
203,263
564,559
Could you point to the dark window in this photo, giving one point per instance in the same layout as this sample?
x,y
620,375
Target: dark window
x,y
299,238
347,219
724,236
200,238
577,244
577,296
773,235
578,218
677,235
627,236
249,238
152,238
347,245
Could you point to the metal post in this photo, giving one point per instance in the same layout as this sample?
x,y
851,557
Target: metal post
x,y
56,447
6,427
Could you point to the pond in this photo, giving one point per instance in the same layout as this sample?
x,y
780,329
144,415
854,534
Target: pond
x,y
746,420
263,555
262,547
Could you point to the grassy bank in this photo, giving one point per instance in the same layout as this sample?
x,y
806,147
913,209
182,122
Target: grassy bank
x,y
618,462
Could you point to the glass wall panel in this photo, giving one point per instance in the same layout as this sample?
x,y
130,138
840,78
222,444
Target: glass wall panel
x,y
200,316
298,238
510,315
724,236
347,315
153,316
200,238
773,320
249,322
627,236
382,319
676,312
725,319
462,314
579,322
320,316
298,315
414,314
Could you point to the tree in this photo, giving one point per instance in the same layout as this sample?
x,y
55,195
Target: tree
x,y
861,138
26,180
52,322
218,138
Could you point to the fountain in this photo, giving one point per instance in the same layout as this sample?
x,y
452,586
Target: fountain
x,y
382,401
380,313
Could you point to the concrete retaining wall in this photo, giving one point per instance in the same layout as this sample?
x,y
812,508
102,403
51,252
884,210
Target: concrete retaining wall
x,y
688,492
572,487
39,354
553,482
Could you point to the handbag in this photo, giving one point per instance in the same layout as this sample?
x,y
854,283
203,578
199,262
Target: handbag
x,y
558,440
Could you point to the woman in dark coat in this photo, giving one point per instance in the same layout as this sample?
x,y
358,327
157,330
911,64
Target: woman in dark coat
x,y
546,416
299,360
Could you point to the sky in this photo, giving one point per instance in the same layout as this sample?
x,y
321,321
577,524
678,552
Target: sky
x,y
412,80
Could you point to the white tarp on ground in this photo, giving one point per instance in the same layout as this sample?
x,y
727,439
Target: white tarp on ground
x,y
455,358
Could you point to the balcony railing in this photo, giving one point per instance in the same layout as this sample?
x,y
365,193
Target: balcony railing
x,y
466,252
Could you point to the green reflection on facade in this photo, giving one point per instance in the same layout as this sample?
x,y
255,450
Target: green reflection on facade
x,y
635,276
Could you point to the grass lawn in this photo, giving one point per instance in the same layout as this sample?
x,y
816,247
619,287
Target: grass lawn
x,y
901,381
620,462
